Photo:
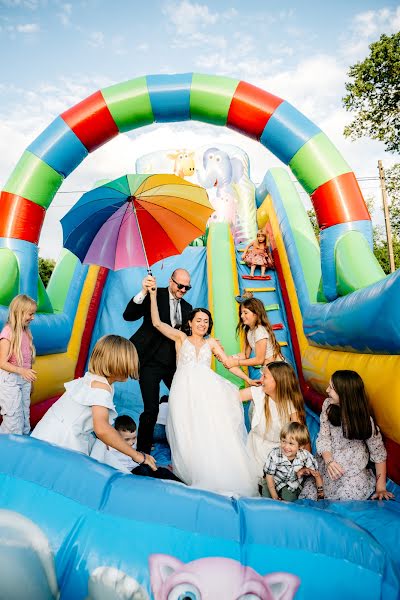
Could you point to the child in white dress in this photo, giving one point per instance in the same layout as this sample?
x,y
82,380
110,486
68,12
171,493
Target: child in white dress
x,y
277,402
17,353
260,338
87,405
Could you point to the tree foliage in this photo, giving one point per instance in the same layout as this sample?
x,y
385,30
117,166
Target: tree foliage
x,y
374,94
46,267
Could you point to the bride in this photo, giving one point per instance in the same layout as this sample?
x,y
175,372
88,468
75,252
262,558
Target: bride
x,y
205,426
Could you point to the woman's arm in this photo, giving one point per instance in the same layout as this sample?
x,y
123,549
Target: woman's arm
x,y
164,328
258,359
381,492
324,446
109,436
27,374
245,395
220,355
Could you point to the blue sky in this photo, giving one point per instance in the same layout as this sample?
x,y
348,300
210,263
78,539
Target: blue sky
x,y
55,53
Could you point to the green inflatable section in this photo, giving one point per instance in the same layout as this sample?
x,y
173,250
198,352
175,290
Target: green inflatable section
x,y
44,304
356,265
9,270
317,162
129,104
222,279
57,290
34,179
211,97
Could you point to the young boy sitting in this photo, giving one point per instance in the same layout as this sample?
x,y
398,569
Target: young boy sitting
x,y
126,428
287,465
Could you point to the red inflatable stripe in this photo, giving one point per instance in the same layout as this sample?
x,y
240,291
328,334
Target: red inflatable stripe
x,y
91,121
251,109
20,218
332,201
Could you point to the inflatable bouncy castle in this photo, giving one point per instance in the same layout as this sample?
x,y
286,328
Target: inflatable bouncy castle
x,y
74,528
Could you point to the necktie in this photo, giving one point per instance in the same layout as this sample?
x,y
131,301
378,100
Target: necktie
x,y
177,316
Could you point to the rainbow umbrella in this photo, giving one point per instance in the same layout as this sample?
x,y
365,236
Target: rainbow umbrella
x,y
136,220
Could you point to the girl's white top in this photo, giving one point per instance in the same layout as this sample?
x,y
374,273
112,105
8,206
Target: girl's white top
x,y
260,440
257,334
69,422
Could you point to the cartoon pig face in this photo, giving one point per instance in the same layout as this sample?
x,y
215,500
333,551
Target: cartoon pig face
x,y
216,579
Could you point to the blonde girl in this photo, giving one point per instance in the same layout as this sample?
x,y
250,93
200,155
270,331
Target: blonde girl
x,y
278,401
17,354
258,254
87,405
259,337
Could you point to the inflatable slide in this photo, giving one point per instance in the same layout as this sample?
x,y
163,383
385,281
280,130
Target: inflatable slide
x,y
331,305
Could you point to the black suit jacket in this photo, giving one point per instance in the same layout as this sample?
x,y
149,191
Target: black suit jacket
x,y
151,345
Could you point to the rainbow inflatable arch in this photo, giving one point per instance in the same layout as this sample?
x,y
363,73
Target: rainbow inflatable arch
x,y
341,310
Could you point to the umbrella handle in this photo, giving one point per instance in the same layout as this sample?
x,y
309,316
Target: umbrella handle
x,y
151,274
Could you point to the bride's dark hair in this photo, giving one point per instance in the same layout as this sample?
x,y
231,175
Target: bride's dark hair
x,y
186,327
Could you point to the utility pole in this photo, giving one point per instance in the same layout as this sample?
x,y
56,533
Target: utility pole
x,y
387,218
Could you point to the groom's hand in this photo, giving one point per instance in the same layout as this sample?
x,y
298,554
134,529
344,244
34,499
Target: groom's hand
x,y
148,283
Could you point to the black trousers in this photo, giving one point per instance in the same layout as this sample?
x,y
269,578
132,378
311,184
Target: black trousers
x,y
149,381
161,473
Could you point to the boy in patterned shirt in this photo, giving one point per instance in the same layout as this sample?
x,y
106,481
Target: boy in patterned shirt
x,y
287,465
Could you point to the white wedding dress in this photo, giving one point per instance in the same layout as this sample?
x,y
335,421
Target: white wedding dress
x,y
205,427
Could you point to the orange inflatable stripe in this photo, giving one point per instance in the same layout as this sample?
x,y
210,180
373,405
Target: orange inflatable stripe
x,y
20,218
331,201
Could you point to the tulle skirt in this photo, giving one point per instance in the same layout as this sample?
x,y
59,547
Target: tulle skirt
x,y
206,433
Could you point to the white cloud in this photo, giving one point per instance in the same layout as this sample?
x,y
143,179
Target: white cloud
x,y
96,39
27,28
65,14
188,17
191,24
366,28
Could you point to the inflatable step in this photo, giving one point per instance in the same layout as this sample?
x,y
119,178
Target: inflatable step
x,y
269,307
257,277
259,290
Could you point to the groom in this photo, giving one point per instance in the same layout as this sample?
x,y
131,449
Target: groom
x,y
157,353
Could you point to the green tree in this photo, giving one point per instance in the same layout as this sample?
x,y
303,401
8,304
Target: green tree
x,y
374,94
392,179
46,267
313,220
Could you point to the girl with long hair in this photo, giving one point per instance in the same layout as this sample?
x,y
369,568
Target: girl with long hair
x,y
17,354
348,441
258,334
278,401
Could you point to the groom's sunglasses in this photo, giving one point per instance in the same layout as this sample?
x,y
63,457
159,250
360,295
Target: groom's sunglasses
x,y
182,286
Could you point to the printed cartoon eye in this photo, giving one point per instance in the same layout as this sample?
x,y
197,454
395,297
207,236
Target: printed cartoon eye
x,y
211,156
250,597
184,591
217,158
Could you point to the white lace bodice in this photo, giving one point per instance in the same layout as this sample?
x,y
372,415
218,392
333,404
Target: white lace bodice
x,y
188,355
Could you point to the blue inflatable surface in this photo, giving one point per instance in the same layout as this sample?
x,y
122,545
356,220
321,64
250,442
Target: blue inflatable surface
x,y
113,531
